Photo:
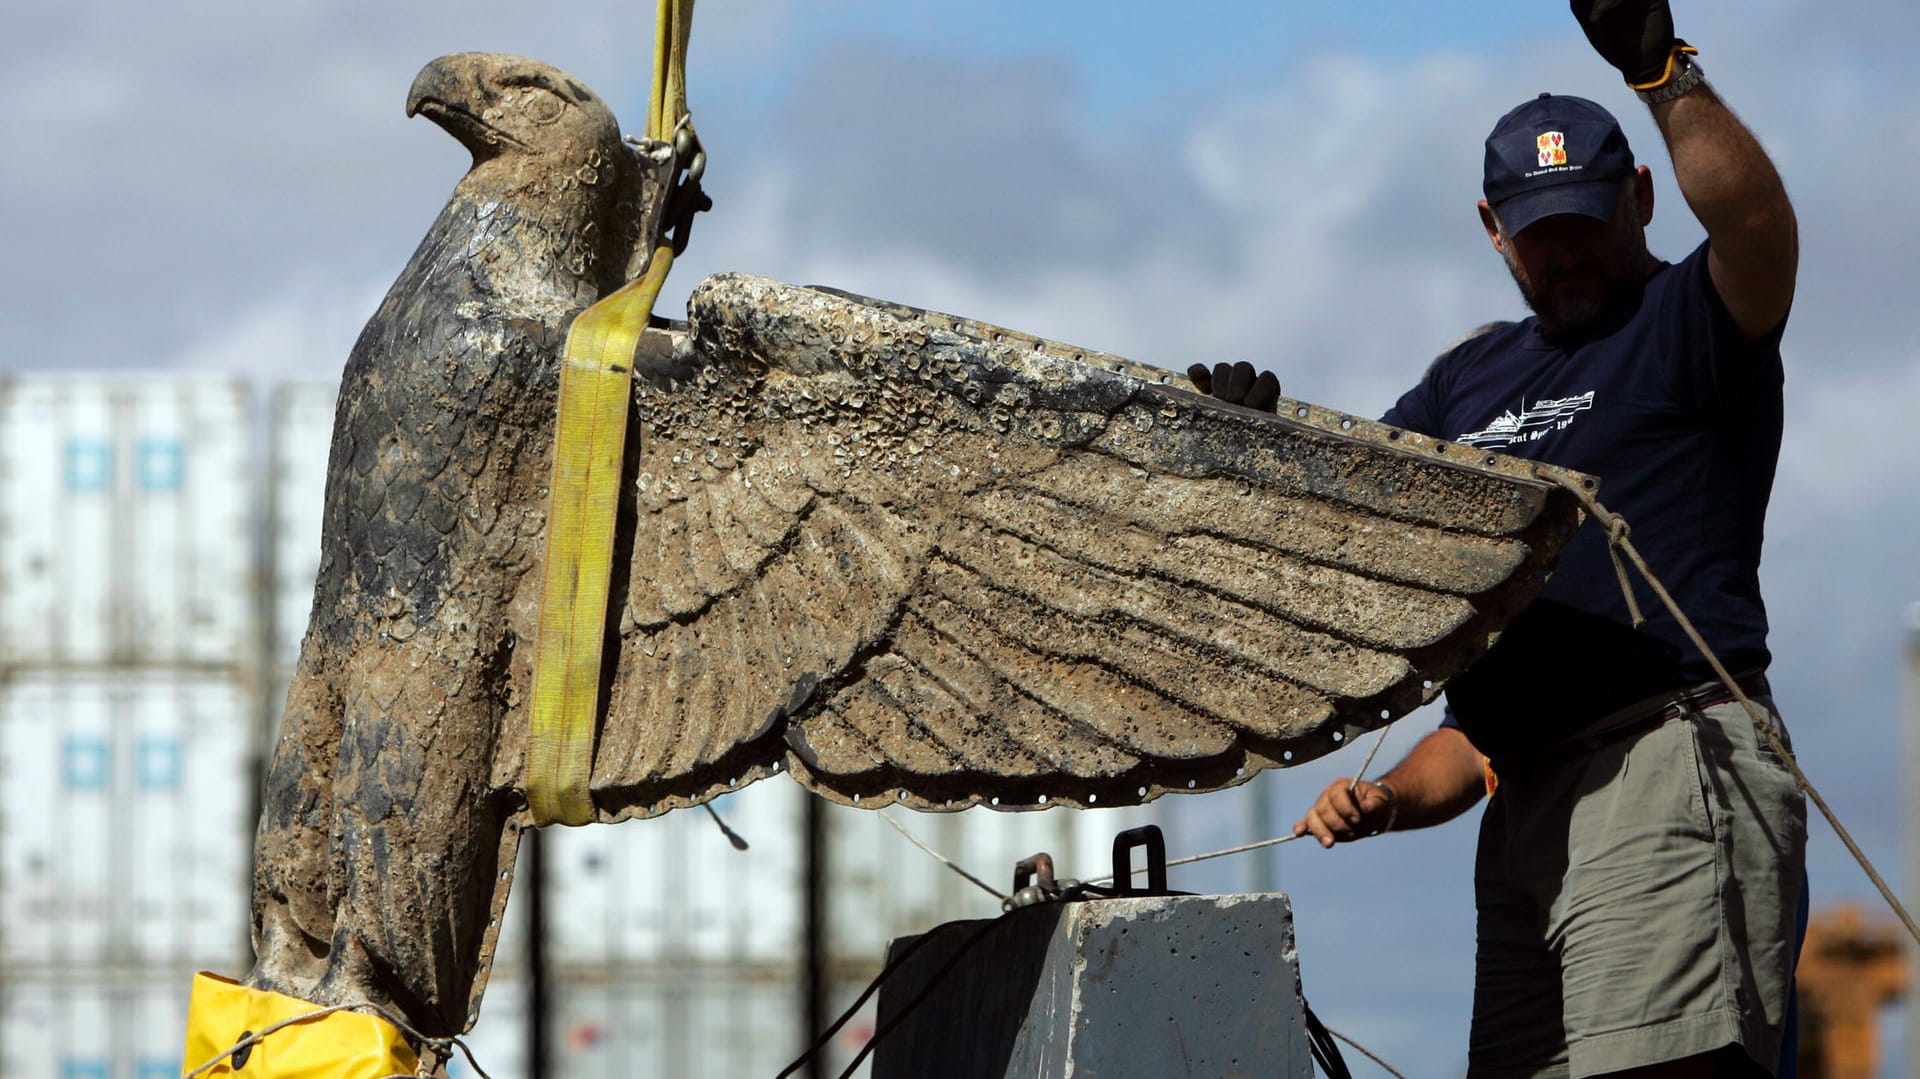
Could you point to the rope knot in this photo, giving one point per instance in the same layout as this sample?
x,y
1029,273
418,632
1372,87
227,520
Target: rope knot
x,y
1617,531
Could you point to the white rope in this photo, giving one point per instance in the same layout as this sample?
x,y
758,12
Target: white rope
x,y
1365,764
1365,1052
941,858
1617,538
1192,858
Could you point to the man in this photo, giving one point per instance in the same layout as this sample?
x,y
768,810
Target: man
x,y
1641,861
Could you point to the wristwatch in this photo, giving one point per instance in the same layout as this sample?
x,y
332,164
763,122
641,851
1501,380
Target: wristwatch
x,y
1684,81
1393,807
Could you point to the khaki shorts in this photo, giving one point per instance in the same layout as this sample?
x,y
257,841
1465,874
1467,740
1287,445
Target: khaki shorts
x,y
1637,901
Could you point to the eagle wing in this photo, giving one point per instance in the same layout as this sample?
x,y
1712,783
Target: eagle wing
x,y
917,559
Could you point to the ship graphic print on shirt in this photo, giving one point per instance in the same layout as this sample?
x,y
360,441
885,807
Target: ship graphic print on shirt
x,y
1531,425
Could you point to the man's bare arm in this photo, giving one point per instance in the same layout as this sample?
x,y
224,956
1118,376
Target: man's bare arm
x,y
1735,192
1439,780
1737,195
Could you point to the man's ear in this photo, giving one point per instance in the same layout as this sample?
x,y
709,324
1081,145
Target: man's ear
x,y
1643,194
1492,225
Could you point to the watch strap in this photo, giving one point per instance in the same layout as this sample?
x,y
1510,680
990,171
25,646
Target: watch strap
x,y
1682,78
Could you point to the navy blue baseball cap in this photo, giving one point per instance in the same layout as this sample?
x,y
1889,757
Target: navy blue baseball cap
x,y
1556,154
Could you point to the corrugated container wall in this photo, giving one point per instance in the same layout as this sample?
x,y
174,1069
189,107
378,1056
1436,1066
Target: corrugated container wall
x,y
130,647
126,826
499,1039
672,890
721,1022
86,1027
637,909
127,523
883,887
300,436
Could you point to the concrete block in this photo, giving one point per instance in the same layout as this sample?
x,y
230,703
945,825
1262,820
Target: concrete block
x,y
1205,986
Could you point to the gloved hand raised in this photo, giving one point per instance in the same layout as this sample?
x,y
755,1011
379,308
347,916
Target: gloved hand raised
x,y
1635,36
1236,384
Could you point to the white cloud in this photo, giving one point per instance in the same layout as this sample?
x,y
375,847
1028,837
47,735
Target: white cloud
x,y
300,333
1843,455
171,166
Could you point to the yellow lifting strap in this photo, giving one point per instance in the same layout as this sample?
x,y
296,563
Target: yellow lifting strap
x,y
668,105
596,385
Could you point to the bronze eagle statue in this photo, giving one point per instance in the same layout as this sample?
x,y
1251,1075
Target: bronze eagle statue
x,y
907,557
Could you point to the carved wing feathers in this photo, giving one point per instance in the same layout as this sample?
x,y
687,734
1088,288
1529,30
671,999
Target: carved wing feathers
x,y
918,559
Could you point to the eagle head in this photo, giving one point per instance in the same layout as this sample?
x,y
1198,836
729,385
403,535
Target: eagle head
x,y
545,143
502,106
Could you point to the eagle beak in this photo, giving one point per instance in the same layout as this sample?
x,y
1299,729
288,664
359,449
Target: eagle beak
x,y
452,92
435,85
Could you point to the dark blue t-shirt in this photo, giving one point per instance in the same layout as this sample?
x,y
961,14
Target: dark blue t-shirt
x,y
1679,415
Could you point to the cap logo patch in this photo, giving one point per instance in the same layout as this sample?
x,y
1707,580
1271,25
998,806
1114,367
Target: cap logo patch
x,y
1553,148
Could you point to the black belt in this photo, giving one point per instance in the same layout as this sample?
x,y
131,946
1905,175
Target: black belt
x,y
1640,717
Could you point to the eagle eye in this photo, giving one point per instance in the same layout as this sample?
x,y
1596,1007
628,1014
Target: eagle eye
x,y
534,97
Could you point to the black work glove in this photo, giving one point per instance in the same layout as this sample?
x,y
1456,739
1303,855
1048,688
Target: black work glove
x,y
1236,384
1635,36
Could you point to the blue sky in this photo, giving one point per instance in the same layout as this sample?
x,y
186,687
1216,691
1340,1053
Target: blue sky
x,y
1133,55
219,186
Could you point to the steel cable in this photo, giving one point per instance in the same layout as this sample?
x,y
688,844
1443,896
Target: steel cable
x,y
941,858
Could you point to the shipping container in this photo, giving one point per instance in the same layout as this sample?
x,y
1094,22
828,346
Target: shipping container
x,y
729,1020
126,821
94,1027
126,523
498,1041
300,434
882,886
657,928
672,889
690,1021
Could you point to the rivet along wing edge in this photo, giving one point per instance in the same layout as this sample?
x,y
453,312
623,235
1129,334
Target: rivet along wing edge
x,y
921,560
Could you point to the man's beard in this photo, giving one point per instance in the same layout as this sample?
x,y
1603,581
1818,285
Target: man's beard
x,y
1568,300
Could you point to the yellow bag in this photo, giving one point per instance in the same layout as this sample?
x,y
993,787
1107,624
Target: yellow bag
x,y
340,1045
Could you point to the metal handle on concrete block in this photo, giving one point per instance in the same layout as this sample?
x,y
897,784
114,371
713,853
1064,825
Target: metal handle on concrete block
x,y
1025,869
1026,890
1147,836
